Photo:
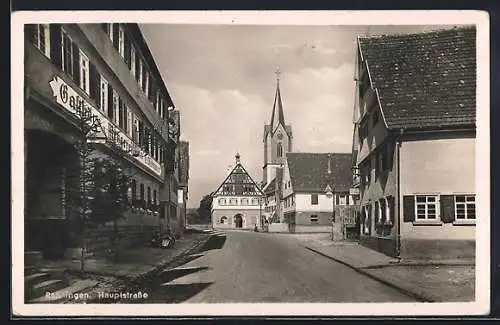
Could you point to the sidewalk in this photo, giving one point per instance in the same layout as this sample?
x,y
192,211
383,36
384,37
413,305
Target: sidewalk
x,y
133,265
426,280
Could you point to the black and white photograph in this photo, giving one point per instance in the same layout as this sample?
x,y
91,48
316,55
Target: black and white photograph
x,y
257,163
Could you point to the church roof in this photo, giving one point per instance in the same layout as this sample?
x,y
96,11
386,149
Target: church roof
x,y
238,182
277,117
309,171
424,80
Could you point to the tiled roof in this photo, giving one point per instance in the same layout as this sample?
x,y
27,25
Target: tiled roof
x,y
309,171
425,80
270,187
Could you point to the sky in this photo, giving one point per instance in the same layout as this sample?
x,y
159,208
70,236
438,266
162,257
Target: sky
x,y
222,80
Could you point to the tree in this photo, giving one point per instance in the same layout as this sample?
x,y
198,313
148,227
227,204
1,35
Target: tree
x,y
205,209
109,196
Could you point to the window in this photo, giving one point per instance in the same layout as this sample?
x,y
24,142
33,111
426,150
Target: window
x,y
121,41
67,54
244,201
314,219
280,150
145,87
222,201
377,213
149,197
141,194
314,199
42,38
255,202
109,31
233,201
84,73
140,74
132,59
465,207
104,94
342,199
223,220
426,207
116,104
134,190
154,197
366,215
157,106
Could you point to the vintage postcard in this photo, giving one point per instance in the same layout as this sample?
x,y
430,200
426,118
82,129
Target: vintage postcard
x,y
250,163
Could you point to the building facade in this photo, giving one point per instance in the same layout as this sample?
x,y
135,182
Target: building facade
x,y
415,143
108,72
238,203
183,190
315,185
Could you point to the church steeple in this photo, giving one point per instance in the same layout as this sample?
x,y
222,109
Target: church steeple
x,y
277,117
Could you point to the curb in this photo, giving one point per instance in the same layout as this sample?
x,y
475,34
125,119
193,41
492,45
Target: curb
x,y
419,297
127,282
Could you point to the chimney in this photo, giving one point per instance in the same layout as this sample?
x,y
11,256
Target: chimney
x,y
237,158
329,163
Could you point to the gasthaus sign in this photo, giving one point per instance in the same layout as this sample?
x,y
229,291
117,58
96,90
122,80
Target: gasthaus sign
x,y
68,98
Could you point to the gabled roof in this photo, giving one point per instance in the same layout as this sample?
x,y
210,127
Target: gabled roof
x,y
425,80
309,171
239,180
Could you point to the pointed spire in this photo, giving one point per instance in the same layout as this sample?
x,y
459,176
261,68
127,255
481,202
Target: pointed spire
x,y
277,116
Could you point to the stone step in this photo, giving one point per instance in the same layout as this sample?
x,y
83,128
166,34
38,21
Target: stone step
x,y
32,279
32,257
40,289
67,293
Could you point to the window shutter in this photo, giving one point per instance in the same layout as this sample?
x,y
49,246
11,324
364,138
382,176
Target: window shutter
x,y
447,203
76,63
409,208
392,210
95,84
137,65
110,101
55,44
127,51
337,202
115,35
30,32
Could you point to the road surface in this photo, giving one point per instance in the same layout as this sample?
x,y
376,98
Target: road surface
x,y
242,266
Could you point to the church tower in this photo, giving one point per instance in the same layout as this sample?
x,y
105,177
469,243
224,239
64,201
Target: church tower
x,y
277,138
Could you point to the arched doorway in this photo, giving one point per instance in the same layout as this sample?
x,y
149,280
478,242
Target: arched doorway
x,y
238,220
51,169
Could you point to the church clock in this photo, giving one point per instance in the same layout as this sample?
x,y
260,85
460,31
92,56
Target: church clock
x,y
280,136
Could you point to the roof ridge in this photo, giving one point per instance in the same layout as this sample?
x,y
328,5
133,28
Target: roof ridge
x,y
434,31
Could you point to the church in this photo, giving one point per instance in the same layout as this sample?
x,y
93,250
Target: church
x,y
277,142
238,202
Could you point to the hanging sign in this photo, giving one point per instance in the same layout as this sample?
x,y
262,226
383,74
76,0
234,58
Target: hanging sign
x,y
104,130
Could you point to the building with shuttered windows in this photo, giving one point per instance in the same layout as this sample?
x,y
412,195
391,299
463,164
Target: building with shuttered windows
x,y
415,143
108,71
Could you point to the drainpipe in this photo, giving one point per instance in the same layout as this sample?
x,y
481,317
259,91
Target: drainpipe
x,y
398,191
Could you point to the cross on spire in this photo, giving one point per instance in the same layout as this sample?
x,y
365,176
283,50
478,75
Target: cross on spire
x,y
278,73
